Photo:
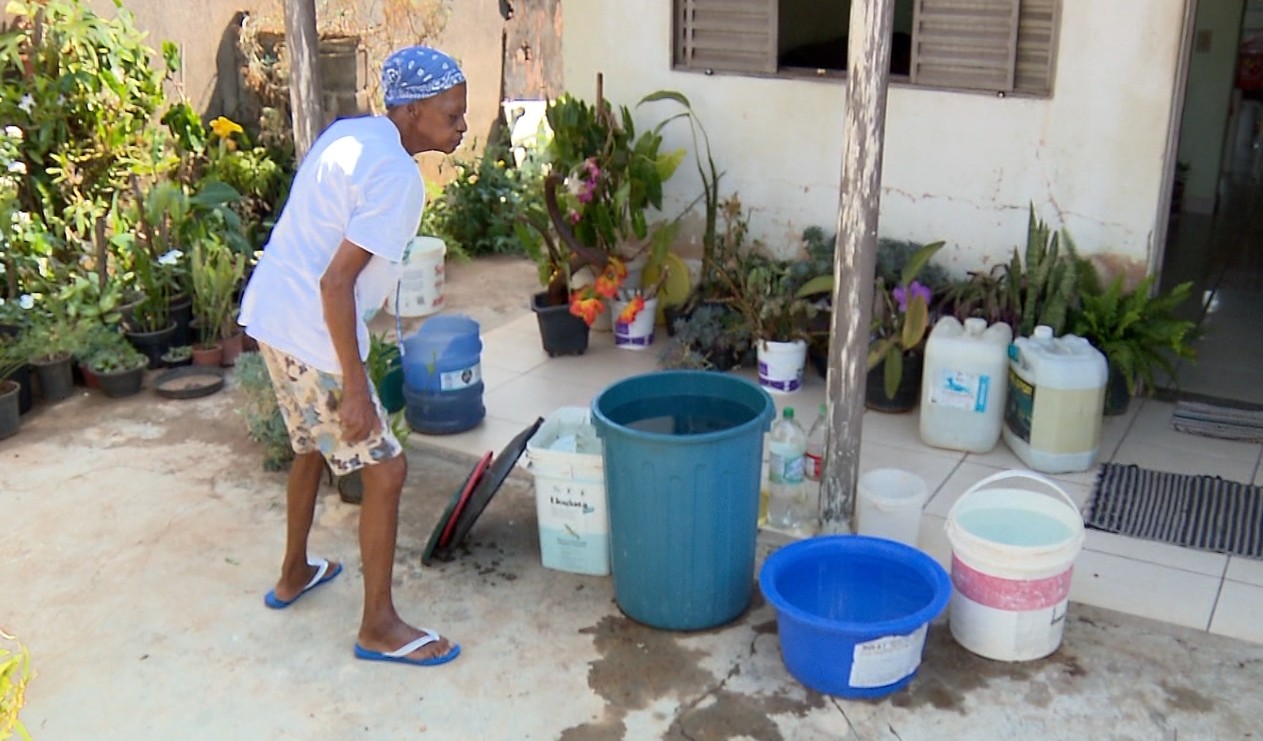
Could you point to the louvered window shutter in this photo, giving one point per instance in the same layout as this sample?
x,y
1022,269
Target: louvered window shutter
x,y
726,35
967,44
1036,46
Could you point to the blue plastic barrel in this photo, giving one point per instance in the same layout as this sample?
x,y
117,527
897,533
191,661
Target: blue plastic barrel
x,y
443,376
683,459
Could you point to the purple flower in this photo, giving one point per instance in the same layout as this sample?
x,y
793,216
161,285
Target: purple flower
x,y
914,289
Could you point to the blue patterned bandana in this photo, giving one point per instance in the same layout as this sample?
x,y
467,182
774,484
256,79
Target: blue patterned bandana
x,y
417,73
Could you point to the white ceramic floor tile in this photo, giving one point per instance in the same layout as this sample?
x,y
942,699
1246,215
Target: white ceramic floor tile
x,y
1153,427
491,434
527,397
1248,570
1114,429
899,430
964,476
1144,589
1001,456
1182,460
1239,613
1162,554
493,377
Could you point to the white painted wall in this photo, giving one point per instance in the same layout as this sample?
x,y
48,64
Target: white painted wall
x,y
958,166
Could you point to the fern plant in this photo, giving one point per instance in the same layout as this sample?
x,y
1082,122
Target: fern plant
x,y
1137,332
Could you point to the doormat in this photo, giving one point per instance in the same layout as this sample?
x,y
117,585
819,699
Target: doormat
x,y
1204,512
1209,420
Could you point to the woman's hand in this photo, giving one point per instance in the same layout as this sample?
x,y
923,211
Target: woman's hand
x,y
359,417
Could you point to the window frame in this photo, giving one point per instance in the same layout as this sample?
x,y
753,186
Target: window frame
x,y
1020,58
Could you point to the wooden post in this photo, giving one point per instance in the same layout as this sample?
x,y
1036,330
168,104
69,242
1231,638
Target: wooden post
x,y
867,80
303,45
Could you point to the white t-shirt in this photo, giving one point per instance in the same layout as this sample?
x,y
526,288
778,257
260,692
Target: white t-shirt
x,y
357,183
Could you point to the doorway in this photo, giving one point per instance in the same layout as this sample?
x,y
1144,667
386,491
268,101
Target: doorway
x,y
1215,233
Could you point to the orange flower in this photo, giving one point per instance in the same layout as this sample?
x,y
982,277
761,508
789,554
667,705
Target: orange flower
x,y
608,282
586,309
633,308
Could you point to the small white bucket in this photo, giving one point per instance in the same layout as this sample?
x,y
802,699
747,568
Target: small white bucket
x,y
421,285
638,333
567,461
889,505
1013,553
781,365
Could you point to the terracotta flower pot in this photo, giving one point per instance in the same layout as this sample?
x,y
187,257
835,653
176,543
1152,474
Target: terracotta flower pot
x,y
212,355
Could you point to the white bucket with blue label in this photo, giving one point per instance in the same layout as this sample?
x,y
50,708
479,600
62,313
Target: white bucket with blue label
x,y
781,365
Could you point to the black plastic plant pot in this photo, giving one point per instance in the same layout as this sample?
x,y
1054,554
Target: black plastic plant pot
x,y
906,394
561,332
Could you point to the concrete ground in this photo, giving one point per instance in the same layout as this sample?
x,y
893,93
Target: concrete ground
x,y
140,535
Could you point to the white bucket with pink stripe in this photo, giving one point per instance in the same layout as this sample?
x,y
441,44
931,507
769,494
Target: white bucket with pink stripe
x,y
1013,552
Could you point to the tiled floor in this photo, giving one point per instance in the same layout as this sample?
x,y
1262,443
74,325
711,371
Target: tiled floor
x,y
1192,588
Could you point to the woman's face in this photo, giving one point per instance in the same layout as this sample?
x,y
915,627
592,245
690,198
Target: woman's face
x,y
436,124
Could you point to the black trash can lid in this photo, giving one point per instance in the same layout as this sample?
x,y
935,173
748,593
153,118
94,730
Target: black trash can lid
x,y
468,503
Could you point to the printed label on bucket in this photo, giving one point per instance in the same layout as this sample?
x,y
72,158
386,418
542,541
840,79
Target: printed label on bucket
x,y
886,660
460,379
960,390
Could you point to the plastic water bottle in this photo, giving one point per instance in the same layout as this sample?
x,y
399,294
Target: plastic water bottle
x,y
786,497
815,445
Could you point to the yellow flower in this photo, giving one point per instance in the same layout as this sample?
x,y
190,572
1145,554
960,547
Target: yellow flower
x,y
225,127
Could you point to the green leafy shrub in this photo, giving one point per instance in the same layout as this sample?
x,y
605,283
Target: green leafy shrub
x,y
477,211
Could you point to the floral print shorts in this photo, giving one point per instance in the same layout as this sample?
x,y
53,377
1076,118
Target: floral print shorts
x,y
309,400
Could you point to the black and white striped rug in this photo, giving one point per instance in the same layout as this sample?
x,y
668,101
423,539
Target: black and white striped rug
x,y
1204,512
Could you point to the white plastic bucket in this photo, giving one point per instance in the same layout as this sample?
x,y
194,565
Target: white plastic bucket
x,y
890,503
570,500
421,285
1013,553
638,333
781,365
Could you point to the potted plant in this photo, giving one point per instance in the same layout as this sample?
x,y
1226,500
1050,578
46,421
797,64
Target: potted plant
x,y
1136,329
901,318
1036,286
14,351
595,234
217,272
52,342
900,321
118,366
713,336
178,355
765,293
15,319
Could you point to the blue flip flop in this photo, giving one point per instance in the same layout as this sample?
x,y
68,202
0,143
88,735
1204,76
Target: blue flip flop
x,y
323,576
400,655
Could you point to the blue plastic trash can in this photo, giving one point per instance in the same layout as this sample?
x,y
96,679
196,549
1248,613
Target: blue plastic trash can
x,y
683,460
